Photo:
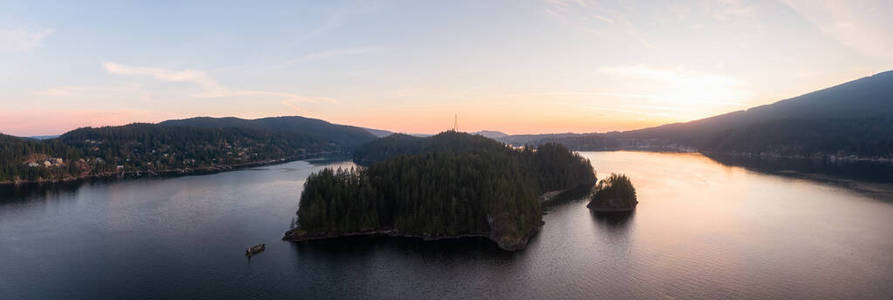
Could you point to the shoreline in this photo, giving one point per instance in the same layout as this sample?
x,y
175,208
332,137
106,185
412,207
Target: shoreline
x,y
816,157
163,173
832,158
297,235
546,199
600,209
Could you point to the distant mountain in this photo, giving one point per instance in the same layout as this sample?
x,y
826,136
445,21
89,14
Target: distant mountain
x,y
869,98
521,139
854,119
43,137
379,132
383,133
313,128
490,134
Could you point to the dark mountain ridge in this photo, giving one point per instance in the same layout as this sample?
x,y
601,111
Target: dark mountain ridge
x,y
313,128
852,120
866,98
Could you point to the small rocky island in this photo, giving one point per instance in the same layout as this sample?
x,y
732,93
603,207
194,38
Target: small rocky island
x,y
451,185
614,194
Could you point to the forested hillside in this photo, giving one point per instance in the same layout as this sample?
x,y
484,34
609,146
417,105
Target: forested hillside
x,y
203,144
401,144
851,120
25,158
341,135
447,185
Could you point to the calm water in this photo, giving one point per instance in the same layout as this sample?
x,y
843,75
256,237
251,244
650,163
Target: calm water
x,y
702,230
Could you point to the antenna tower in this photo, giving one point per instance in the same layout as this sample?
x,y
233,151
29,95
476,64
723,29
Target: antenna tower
x,y
456,123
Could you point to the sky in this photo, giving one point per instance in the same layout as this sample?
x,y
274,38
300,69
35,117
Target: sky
x,y
410,66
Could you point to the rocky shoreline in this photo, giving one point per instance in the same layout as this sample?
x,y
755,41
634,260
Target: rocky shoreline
x,y
609,209
300,235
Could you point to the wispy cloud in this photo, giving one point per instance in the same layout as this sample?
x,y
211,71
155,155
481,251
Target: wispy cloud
x,y
334,20
628,23
860,25
597,18
605,19
15,40
567,3
333,54
208,86
191,76
731,9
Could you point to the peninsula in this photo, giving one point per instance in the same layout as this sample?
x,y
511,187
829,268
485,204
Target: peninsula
x,y
196,145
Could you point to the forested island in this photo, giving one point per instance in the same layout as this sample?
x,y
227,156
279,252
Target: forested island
x,y
445,186
613,194
172,147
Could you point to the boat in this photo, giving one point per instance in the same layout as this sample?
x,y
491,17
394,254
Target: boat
x,y
255,249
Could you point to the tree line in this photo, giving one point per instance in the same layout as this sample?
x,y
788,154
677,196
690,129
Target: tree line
x,y
470,185
149,147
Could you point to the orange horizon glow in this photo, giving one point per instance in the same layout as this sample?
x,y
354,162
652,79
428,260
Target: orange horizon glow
x,y
531,67
515,115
